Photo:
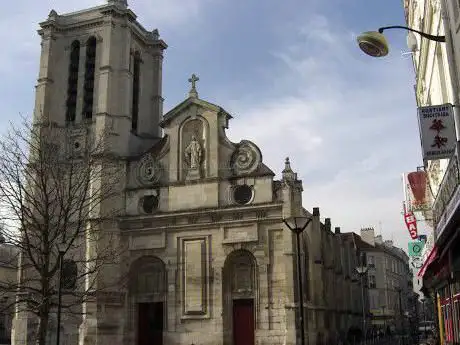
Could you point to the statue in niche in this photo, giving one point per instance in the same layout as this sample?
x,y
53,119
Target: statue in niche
x,y
193,154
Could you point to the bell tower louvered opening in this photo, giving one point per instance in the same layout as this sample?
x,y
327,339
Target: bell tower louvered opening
x,y
88,89
72,83
136,81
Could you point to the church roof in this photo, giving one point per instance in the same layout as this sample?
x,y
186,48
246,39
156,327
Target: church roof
x,y
174,112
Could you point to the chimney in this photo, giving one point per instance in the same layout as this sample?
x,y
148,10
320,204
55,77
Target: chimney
x,y
378,239
368,236
388,243
327,224
337,230
316,211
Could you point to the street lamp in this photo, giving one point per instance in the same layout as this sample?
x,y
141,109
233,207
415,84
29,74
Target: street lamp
x,y
297,225
362,271
374,43
62,247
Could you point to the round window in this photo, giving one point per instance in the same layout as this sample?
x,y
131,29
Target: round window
x,y
242,194
149,203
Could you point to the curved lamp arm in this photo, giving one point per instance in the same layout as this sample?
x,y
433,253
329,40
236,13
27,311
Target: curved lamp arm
x,y
423,34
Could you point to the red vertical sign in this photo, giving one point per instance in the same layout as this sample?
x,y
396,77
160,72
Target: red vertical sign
x,y
411,223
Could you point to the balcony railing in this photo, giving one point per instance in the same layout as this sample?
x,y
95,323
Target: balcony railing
x,y
448,196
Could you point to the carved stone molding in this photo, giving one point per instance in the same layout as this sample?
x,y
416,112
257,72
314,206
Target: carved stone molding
x,y
261,214
192,219
237,216
149,170
246,158
215,218
195,276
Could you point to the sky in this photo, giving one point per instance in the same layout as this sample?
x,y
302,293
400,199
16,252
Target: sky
x,y
291,74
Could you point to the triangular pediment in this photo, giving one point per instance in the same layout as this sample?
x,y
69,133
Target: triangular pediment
x,y
181,108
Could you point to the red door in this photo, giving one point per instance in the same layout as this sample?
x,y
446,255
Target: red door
x,y
150,324
243,322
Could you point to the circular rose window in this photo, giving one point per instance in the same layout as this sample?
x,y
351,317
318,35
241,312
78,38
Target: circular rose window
x,y
242,194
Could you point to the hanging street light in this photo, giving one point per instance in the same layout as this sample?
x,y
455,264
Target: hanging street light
x,y
374,43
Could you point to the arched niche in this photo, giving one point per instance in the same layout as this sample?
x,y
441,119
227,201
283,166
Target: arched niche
x,y
147,300
193,128
240,298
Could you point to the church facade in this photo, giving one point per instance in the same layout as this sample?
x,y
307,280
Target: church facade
x,y
208,258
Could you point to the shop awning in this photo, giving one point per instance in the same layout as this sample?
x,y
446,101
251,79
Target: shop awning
x,y
429,260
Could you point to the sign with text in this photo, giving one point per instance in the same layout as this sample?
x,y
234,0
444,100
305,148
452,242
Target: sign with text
x,y
437,131
411,223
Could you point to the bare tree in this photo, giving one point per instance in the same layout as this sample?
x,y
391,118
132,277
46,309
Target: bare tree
x,y
59,193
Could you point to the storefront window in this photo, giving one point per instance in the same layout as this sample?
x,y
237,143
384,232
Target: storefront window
x,y
450,312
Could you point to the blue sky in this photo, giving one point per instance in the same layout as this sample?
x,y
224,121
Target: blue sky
x,y
291,74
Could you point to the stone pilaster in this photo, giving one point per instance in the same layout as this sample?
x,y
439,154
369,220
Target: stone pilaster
x,y
44,88
292,206
156,113
21,332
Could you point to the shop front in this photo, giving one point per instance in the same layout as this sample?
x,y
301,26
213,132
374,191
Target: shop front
x,y
441,282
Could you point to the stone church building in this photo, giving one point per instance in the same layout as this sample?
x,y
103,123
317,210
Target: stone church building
x,y
209,258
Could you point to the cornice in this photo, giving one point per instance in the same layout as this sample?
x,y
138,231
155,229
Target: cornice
x,y
200,226
216,179
59,28
200,218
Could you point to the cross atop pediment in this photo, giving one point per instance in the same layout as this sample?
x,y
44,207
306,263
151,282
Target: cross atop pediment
x,y
193,79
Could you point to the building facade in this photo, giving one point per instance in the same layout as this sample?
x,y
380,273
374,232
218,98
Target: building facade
x,y
390,281
433,84
208,258
437,71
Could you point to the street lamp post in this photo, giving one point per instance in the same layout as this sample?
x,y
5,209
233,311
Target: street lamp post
x,y
297,225
362,271
61,251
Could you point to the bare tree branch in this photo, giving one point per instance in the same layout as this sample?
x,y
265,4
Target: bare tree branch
x,y
54,195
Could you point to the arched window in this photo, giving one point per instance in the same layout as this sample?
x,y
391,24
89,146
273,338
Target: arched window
x,y
72,82
89,78
136,77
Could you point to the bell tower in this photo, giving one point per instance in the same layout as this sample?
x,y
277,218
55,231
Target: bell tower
x,y
101,69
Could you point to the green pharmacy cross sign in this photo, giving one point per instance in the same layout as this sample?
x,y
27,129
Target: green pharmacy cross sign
x,y
415,248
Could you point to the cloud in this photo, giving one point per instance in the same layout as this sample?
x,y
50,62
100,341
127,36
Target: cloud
x,y
172,13
23,42
297,85
345,129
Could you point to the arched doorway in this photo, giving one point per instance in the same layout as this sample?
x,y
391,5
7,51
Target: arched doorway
x,y
148,299
239,296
